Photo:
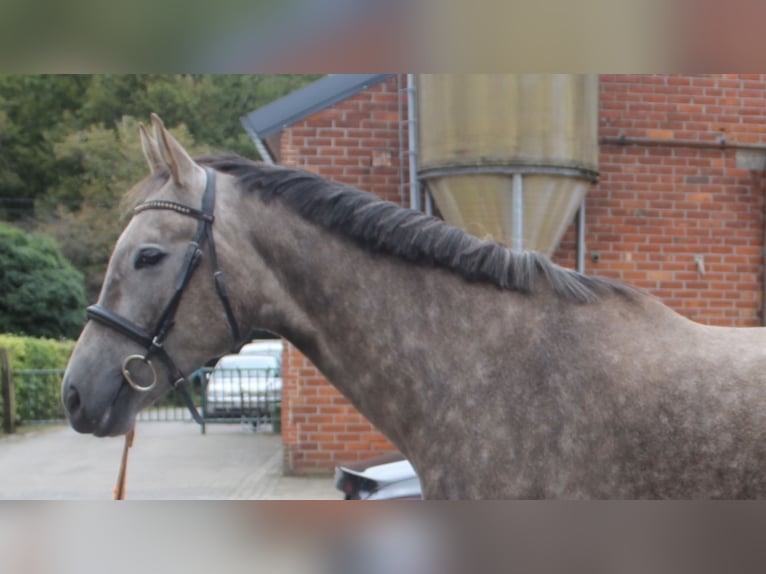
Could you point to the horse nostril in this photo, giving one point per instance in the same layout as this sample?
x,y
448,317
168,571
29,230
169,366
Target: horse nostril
x,y
72,399
76,409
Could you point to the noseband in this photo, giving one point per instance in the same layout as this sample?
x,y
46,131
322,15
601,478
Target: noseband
x,y
153,342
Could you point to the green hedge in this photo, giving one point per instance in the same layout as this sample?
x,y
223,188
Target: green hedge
x,y
38,396
43,294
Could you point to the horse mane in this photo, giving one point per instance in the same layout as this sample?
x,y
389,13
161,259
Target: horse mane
x,y
384,227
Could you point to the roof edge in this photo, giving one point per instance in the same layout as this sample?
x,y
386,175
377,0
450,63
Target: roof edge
x,y
300,104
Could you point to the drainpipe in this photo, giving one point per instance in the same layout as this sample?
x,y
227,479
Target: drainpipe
x,y
517,223
400,79
429,203
581,238
763,260
412,135
259,145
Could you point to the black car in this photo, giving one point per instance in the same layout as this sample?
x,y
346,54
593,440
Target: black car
x,y
387,477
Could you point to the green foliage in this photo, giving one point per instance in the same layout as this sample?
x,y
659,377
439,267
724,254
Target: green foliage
x,y
38,396
41,294
219,101
111,162
70,147
34,353
30,108
38,112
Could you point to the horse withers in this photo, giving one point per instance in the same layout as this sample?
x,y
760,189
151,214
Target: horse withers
x,y
497,373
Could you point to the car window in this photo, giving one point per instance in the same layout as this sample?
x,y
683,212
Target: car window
x,y
262,348
248,362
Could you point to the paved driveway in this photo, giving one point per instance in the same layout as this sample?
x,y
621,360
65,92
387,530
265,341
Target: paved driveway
x,y
168,461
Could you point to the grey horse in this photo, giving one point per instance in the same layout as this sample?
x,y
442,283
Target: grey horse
x,y
497,373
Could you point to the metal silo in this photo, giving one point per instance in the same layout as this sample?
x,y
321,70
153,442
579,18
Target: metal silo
x,y
509,156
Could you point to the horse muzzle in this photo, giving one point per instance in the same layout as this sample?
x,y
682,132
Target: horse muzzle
x,y
110,417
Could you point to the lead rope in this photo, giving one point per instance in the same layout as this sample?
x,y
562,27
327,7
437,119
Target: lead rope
x,y
119,490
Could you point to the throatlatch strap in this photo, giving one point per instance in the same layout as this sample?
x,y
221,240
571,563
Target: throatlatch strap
x,y
223,295
208,205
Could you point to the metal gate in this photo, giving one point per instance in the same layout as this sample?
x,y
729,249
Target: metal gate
x,y
252,396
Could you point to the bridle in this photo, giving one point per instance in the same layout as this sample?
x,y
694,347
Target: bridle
x,y
154,341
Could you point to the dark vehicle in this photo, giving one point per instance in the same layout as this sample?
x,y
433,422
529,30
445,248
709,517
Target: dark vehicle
x,y
388,477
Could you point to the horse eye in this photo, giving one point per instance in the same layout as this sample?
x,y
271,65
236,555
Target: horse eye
x,y
148,256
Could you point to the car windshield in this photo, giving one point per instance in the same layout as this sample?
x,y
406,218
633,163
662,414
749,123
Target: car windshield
x,y
262,348
248,362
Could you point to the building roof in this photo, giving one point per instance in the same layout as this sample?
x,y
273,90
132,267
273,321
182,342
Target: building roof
x,y
274,117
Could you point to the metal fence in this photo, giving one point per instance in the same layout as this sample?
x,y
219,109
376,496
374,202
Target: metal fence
x,y
252,396
38,395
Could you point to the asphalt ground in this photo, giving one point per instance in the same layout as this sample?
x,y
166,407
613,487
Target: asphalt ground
x,y
168,461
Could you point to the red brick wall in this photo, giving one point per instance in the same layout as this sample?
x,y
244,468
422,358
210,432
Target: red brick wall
x,y
656,207
355,142
660,204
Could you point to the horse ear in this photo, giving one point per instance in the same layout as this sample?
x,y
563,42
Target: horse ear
x,y
184,170
151,151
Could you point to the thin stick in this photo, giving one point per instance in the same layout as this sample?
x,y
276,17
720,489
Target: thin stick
x,y
119,489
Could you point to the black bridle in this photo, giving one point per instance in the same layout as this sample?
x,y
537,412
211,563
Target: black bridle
x,y
153,342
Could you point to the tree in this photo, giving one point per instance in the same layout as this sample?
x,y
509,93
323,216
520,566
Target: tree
x,y
70,148
41,294
32,110
85,212
38,112
217,102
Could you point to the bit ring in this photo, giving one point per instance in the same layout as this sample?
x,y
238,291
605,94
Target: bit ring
x,y
129,378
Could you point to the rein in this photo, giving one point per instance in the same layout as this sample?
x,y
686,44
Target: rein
x,y
153,342
119,489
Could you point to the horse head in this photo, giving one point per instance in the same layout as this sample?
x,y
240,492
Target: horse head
x,y
163,309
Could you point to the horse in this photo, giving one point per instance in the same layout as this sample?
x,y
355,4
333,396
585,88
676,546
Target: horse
x,y
497,373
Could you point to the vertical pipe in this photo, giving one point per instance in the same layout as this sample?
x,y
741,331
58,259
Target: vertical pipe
x,y
429,207
412,134
259,145
581,238
265,155
517,225
763,253
400,110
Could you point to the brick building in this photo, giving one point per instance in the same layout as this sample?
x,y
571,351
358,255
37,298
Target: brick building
x,y
678,211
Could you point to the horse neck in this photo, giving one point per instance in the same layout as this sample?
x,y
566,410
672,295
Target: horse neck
x,y
373,324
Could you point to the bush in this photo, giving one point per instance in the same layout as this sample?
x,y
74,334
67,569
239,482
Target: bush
x,y
43,295
38,396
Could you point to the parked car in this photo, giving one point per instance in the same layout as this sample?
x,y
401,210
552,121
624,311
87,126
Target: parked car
x,y
263,347
243,386
383,478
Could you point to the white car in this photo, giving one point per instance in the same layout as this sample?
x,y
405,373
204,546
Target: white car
x,y
243,386
263,347
386,477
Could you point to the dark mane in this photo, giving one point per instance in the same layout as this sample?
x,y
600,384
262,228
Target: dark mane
x,y
385,227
